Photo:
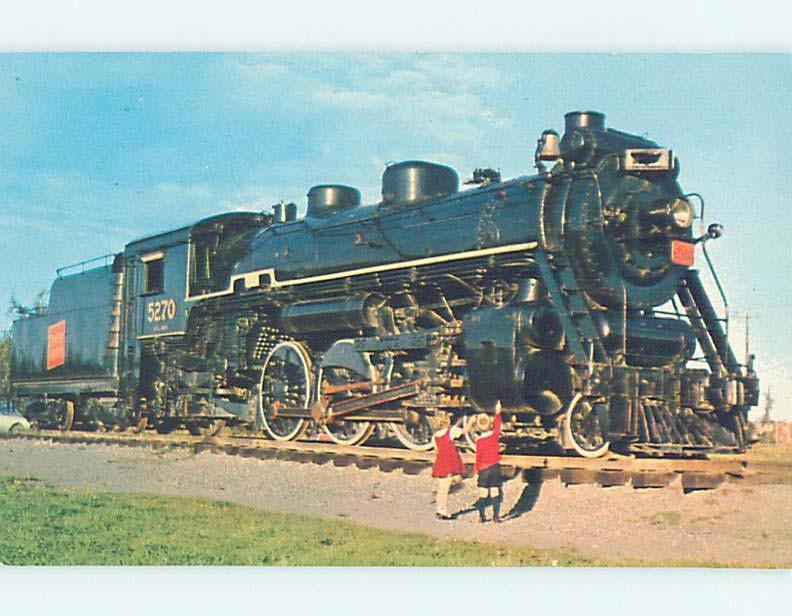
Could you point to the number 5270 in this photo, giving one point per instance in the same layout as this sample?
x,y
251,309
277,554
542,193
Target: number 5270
x,y
160,310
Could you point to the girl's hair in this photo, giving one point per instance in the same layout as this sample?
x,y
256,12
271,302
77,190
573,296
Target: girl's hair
x,y
441,420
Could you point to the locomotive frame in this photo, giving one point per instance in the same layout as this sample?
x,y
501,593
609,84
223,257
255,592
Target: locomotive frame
x,y
545,292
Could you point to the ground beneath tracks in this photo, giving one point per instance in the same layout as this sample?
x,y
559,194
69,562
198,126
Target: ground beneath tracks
x,y
734,525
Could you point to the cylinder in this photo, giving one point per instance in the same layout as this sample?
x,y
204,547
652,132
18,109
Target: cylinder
x,y
546,381
328,199
651,341
353,313
529,290
593,120
511,356
414,181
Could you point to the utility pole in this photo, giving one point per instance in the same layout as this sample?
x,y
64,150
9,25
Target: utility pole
x,y
747,317
768,406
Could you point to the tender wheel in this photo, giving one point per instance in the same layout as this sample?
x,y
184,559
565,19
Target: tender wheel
x,y
416,435
65,417
140,426
582,429
285,382
165,427
211,428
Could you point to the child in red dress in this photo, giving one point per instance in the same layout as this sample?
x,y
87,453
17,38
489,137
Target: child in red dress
x,y
488,457
448,465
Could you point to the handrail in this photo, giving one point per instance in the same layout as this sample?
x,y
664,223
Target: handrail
x,y
108,258
720,289
710,265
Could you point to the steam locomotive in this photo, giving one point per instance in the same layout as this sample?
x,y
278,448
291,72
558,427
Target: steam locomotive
x,y
568,295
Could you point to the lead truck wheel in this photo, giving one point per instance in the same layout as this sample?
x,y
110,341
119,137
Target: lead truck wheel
x,y
582,429
285,383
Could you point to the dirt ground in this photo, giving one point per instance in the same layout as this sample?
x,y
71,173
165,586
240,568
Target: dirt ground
x,y
734,525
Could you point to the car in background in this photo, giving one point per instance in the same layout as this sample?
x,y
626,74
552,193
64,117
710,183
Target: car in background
x,y
10,420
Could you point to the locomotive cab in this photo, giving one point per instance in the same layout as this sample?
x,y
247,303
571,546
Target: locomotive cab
x,y
217,244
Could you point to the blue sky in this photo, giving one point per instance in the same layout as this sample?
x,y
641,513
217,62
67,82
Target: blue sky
x,y
98,149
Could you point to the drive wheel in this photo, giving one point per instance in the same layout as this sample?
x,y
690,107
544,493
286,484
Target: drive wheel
x,y
285,383
582,429
349,432
340,431
416,436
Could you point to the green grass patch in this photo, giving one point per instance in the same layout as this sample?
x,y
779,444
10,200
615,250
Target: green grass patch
x,y
48,526
665,518
771,453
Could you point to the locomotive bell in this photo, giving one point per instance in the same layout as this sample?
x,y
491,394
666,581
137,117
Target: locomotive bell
x,y
548,147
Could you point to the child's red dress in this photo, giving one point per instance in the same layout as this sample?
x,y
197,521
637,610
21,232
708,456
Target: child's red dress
x,y
447,461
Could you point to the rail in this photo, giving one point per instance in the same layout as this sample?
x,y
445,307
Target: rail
x,y
612,470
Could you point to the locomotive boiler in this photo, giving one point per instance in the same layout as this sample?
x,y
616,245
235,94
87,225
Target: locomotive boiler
x,y
569,295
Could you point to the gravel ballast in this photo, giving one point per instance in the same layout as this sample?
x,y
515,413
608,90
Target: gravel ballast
x,y
733,525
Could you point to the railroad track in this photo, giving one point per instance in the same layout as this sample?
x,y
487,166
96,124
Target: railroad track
x,y
613,470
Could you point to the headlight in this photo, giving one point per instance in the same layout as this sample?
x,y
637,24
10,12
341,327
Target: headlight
x,y
682,213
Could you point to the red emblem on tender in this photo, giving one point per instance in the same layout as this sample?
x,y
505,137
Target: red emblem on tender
x,y
56,345
683,253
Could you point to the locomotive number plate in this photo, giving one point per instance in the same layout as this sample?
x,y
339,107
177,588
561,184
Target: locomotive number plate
x,y
160,310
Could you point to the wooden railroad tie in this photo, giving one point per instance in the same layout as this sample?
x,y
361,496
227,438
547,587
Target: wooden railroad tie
x,y
693,474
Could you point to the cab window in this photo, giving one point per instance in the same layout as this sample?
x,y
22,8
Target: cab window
x,y
154,274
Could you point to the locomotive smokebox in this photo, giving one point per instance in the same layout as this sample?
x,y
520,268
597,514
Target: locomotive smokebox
x,y
593,120
328,199
414,181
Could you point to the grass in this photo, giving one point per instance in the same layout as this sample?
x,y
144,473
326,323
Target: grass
x,y
771,454
665,518
48,526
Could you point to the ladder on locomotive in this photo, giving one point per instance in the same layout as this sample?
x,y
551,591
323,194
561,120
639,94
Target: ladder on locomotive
x,y
582,337
707,326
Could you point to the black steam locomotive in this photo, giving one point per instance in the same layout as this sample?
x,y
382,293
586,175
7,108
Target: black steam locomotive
x,y
567,295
